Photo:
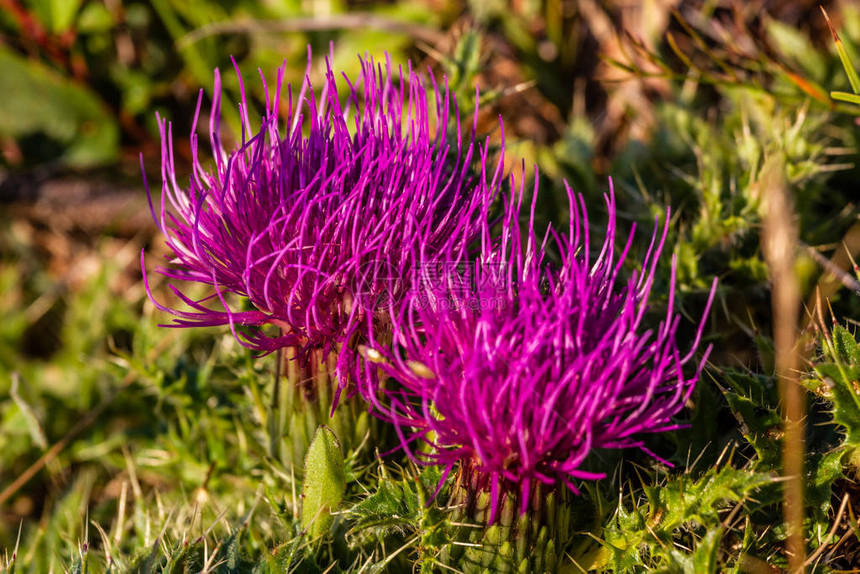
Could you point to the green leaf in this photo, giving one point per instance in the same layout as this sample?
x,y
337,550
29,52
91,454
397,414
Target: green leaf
x,y
57,15
325,482
186,558
795,44
63,14
95,18
36,100
31,417
840,386
705,555
146,561
292,556
823,471
463,67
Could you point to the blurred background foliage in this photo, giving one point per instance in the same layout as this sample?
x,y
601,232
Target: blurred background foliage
x,y
165,437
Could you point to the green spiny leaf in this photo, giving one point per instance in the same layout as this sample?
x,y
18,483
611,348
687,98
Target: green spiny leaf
x,y
680,501
754,400
384,511
291,556
705,555
187,558
839,385
847,348
823,471
146,562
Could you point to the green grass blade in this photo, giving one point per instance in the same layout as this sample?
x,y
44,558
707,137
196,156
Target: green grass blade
x,y
853,78
845,97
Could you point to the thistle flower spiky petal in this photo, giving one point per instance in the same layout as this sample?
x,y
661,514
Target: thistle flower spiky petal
x,y
525,369
316,220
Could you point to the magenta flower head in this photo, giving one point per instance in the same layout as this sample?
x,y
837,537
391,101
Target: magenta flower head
x,y
517,371
313,221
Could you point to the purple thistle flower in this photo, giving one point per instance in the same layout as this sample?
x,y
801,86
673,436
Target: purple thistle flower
x,y
316,223
517,371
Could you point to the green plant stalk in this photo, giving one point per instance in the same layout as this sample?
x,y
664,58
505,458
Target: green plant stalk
x,y
301,402
514,542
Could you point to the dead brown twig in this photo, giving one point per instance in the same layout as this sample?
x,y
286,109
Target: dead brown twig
x,y
780,247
